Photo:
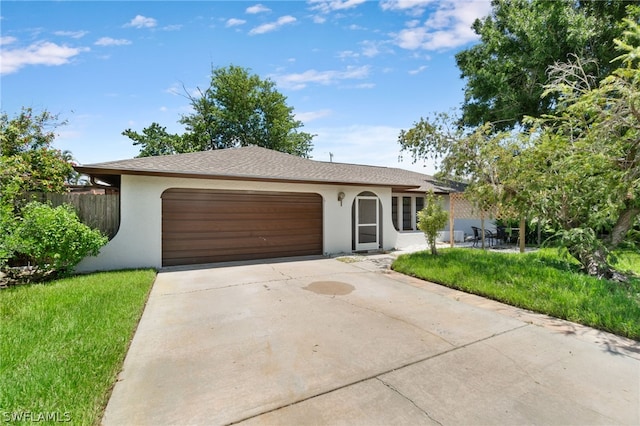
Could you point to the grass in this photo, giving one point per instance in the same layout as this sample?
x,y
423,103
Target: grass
x,y
540,281
628,261
63,343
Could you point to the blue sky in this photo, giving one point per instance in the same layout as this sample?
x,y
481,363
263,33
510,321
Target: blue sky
x,y
356,72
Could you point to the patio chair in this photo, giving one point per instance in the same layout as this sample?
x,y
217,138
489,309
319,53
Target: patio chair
x,y
477,235
490,236
501,234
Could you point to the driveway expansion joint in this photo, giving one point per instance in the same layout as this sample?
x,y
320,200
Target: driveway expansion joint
x,y
378,377
412,402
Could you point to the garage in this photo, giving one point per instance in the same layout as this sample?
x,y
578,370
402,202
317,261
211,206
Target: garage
x,y
206,226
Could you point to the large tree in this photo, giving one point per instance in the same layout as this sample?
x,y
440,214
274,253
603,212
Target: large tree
x,y
28,160
589,176
577,170
237,109
506,71
155,140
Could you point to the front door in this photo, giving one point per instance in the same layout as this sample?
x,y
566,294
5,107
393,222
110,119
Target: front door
x,y
367,218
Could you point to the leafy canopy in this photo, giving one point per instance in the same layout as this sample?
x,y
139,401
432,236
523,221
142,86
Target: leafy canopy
x,y
155,140
506,72
28,161
576,170
237,109
52,239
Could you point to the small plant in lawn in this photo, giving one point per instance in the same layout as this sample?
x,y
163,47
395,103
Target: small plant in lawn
x,y
431,219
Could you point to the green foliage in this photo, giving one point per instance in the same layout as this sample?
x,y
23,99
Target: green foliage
x,y
591,147
51,239
583,245
578,168
505,72
476,157
63,344
54,238
28,162
155,140
541,281
8,224
432,218
237,109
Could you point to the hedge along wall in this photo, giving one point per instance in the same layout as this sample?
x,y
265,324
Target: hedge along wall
x,y
98,211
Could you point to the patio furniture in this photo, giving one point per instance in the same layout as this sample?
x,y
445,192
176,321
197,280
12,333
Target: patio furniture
x,y
477,235
501,234
490,236
514,235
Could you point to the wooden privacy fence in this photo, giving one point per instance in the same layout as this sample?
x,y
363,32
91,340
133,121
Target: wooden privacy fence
x,y
98,211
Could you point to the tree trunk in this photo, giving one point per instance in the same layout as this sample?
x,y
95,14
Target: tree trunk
x,y
623,225
595,264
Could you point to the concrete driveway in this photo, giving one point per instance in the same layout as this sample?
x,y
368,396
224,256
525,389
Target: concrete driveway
x,y
322,341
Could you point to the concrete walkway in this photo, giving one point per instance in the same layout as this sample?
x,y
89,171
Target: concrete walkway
x,y
324,341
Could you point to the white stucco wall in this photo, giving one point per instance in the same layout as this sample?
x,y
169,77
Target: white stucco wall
x,y
138,242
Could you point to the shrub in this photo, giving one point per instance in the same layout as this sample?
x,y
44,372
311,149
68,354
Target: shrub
x,y
7,227
432,219
54,239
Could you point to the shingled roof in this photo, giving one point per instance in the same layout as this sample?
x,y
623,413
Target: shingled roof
x,y
261,164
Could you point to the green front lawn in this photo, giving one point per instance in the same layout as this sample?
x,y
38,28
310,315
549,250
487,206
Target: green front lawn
x,y
540,281
63,343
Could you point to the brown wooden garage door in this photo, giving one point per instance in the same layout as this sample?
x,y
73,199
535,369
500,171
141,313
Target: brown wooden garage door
x,y
203,226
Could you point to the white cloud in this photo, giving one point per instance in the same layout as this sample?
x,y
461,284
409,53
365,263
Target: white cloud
x,y
258,8
72,34
179,89
272,26
4,40
299,81
108,41
348,54
418,70
313,115
448,27
370,48
411,38
39,53
363,144
174,27
319,19
413,7
142,22
327,6
175,89
233,22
